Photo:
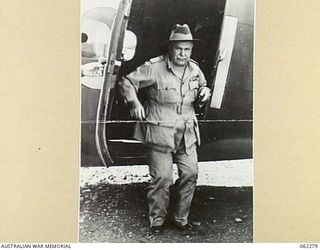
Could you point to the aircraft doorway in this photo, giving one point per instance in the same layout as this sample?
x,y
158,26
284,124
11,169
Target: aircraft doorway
x,y
151,21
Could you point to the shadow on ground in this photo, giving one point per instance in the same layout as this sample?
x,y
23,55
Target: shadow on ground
x,y
118,213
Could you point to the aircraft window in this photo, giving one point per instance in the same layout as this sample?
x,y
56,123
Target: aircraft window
x,y
129,45
97,42
94,48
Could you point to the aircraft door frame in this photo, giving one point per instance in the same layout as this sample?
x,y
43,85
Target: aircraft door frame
x,y
222,61
227,38
112,65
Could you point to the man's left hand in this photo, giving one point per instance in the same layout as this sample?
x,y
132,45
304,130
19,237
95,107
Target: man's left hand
x,y
204,95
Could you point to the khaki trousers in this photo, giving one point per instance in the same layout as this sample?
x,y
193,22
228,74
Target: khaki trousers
x,y
160,168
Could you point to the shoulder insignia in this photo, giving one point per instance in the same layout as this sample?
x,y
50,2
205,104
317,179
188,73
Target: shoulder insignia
x,y
156,59
195,62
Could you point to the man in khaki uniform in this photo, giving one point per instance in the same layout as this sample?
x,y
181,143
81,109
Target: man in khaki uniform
x,y
170,129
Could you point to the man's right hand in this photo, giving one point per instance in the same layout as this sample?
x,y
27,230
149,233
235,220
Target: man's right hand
x,y
136,110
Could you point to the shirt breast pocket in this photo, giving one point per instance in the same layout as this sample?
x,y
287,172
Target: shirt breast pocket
x,y
168,92
193,84
193,89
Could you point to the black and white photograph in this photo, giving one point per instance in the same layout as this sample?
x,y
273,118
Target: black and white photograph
x,y
167,121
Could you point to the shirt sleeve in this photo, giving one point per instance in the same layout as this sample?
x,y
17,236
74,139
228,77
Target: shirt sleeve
x,y
202,79
140,78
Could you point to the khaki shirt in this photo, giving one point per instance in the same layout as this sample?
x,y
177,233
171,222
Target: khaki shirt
x,y
170,116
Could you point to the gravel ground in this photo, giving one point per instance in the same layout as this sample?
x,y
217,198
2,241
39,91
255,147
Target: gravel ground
x,y
117,213
235,173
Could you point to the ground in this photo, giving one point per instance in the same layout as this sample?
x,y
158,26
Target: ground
x,y
118,213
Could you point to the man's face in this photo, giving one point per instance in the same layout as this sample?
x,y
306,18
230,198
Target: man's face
x,y
180,53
